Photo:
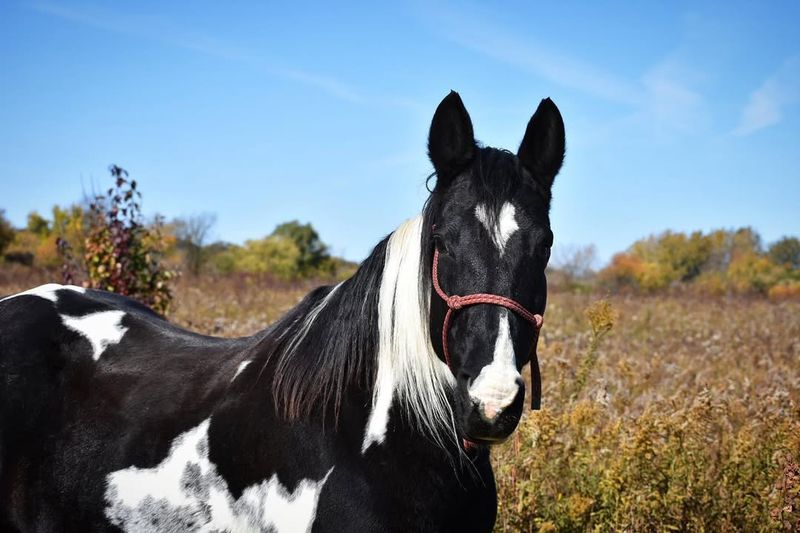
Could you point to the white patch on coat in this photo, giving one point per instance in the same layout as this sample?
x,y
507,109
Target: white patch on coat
x,y
505,226
285,511
186,493
408,368
101,329
497,383
241,368
47,291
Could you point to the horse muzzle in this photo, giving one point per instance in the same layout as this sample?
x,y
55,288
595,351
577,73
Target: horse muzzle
x,y
493,416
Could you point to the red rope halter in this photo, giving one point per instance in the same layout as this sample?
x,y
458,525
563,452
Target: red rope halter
x,y
455,303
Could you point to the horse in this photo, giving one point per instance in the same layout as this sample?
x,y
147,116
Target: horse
x,y
370,406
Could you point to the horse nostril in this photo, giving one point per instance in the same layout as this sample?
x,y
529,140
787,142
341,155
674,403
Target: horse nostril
x,y
492,406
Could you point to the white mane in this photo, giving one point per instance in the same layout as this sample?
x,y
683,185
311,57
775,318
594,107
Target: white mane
x,y
408,369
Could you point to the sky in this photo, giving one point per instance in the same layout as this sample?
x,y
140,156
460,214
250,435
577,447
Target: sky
x,y
679,115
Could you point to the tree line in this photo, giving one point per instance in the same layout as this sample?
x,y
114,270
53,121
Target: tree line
x,y
723,261
105,242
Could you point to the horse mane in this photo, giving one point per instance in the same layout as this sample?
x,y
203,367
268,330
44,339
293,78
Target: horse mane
x,y
372,328
321,347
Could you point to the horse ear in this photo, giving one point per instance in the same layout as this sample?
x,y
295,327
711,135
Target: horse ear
x,y
451,141
542,149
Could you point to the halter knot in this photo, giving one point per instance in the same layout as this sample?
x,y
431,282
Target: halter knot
x,y
455,302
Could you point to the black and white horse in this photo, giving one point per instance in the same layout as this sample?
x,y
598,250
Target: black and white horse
x,y
341,416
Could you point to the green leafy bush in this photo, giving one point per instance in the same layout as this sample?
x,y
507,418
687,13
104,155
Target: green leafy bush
x,y
292,251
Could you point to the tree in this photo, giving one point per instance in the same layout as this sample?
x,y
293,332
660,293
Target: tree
x,y
6,232
38,225
314,256
192,233
786,252
573,264
745,241
275,254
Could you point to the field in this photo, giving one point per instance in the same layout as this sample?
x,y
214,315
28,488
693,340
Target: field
x,y
658,413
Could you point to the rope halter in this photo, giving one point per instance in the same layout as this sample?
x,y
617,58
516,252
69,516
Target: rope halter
x,y
455,302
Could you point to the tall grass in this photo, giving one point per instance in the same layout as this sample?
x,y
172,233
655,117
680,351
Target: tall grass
x,y
683,417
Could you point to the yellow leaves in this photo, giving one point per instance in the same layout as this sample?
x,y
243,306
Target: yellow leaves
x,y
275,254
578,506
601,317
547,527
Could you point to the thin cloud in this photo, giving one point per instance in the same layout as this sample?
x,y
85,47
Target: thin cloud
x,y
330,85
158,30
767,104
670,101
662,97
537,59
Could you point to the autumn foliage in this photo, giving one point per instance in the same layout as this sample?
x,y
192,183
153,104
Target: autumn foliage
x,y
122,254
116,250
720,262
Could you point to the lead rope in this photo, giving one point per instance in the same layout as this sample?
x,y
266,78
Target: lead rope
x,y
455,302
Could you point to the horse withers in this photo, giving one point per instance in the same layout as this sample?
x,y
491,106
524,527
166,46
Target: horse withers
x,y
370,406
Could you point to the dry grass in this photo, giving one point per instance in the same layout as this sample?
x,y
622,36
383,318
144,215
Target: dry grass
x,y
659,413
686,420
234,305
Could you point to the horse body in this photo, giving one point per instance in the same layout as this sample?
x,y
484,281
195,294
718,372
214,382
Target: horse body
x,y
341,416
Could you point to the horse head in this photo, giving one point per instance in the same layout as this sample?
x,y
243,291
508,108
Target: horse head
x,y
487,234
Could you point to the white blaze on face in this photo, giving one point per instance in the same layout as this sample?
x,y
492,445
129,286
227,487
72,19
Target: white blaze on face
x,y
101,329
504,227
498,382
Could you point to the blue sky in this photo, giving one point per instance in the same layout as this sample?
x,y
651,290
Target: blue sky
x,y
679,115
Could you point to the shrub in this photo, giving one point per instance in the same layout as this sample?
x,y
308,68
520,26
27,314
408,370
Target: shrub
x,y
121,254
750,272
785,290
624,271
